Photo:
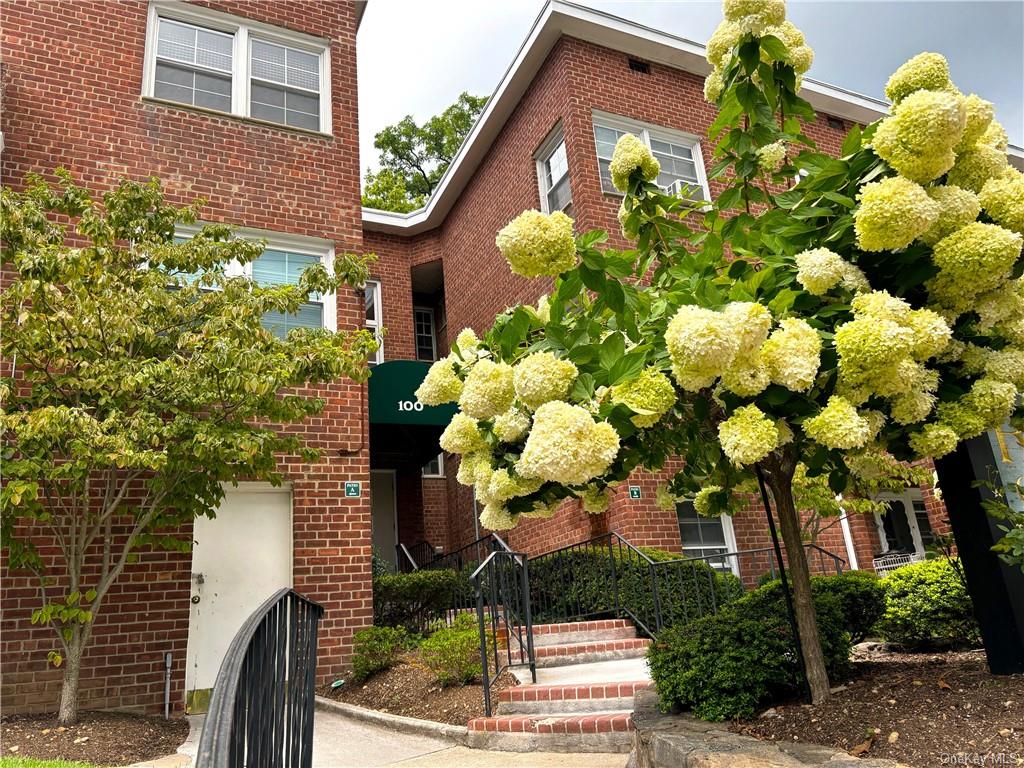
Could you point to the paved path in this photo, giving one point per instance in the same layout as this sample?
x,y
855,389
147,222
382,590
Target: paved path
x,y
339,742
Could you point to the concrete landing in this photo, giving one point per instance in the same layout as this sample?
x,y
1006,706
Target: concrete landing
x,y
612,671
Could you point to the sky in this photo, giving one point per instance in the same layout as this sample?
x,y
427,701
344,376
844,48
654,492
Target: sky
x,y
416,56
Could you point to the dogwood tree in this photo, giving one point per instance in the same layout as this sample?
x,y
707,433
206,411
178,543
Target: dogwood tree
x,y
141,376
869,315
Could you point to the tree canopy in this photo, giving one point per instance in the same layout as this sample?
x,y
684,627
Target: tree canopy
x,y
144,374
829,329
414,157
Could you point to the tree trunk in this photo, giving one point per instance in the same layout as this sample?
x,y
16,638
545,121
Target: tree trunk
x,y
780,480
68,712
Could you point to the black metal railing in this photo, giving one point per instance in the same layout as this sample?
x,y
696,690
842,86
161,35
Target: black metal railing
x,y
412,557
608,576
501,584
261,709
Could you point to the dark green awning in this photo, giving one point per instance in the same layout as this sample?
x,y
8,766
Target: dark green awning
x,y
393,399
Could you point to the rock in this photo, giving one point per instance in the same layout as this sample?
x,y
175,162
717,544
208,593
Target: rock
x,y
771,712
81,740
15,748
894,737
1004,732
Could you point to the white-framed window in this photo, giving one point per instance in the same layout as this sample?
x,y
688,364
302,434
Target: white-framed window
x,y
374,316
205,58
423,332
682,166
553,174
282,262
434,467
906,527
706,537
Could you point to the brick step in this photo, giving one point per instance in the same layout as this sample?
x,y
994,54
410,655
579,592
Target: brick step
x,y
582,632
589,732
597,650
581,698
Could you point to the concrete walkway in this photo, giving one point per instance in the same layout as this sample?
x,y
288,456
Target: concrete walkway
x,y
339,742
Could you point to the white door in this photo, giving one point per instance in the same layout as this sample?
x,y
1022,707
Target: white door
x,y
239,559
384,514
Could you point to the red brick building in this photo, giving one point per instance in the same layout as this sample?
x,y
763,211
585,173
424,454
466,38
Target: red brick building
x,y
253,106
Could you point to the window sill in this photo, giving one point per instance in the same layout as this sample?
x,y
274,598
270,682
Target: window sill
x,y
232,116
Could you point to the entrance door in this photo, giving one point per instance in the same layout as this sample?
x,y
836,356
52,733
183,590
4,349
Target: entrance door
x,y
239,559
384,520
905,528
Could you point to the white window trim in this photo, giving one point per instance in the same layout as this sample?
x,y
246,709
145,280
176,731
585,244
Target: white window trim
x,y
280,241
644,131
728,533
907,499
375,325
243,30
440,466
541,157
433,331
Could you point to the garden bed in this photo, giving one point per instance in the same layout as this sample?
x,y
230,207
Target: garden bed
x,y
922,709
102,738
410,689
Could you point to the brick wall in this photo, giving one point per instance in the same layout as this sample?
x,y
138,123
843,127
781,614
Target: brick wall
x,y
74,79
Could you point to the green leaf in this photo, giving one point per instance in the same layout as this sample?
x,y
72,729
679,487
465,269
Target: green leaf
x,y
774,47
612,348
852,142
627,367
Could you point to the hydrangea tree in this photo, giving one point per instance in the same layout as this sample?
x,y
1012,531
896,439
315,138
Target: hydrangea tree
x,y
814,334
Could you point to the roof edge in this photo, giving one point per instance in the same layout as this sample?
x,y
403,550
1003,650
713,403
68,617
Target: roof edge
x,y
560,18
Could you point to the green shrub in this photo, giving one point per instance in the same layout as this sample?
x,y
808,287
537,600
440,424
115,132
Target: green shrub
x,y
928,606
453,653
377,648
724,665
861,598
412,600
578,584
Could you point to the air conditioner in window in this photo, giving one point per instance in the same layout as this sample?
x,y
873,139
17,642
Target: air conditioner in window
x,y
680,188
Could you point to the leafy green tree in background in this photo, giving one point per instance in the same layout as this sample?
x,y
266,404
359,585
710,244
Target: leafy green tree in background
x,y
805,338
145,378
413,158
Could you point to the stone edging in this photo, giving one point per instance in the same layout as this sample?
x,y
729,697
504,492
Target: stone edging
x,y
412,725
682,741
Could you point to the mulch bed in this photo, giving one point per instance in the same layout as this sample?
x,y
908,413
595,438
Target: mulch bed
x,y
922,709
410,689
102,738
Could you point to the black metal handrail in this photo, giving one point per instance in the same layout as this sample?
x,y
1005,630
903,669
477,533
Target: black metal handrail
x,y
502,587
608,576
404,561
261,709
470,555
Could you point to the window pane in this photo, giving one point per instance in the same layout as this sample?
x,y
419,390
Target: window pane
x,y
176,83
423,321
278,104
560,195
266,95
606,177
286,66
557,165
271,114
310,315
276,267
194,45
605,139
370,299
